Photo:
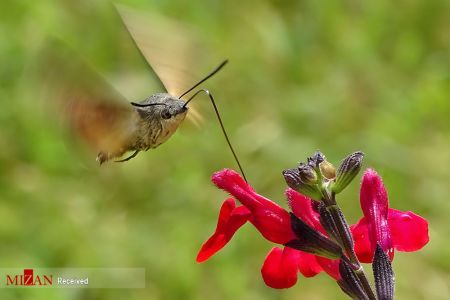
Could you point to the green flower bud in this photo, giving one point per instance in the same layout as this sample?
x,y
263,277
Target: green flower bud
x,y
307,174
348,169
293,180
327,170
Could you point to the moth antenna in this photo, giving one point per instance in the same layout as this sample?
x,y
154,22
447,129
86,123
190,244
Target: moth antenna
x,y
205,78
145,105
220,121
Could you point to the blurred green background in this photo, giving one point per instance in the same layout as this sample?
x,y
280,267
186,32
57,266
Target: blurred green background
x,y
338,76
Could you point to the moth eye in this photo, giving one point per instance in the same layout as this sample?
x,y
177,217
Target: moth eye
x,y
166,114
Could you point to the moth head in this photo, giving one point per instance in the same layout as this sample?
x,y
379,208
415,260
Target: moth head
x,y
163,106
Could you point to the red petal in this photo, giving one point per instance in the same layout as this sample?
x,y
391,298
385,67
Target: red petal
x,y
230,220
409,231
374,203
301,206
269,218
232,182
279,270
308,265
363,247
330,266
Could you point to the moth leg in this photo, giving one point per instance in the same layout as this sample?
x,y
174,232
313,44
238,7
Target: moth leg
x,y
102,157
129,157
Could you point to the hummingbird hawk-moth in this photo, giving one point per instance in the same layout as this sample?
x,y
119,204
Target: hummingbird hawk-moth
x,y
112,125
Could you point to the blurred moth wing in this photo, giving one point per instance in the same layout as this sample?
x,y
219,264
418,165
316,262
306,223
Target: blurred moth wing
x,y
92,108
107,127
170,48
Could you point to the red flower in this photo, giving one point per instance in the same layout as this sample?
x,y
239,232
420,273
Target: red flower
x,y
268,217
391,228
281,266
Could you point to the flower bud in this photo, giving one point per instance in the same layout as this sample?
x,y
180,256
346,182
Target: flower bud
x,y
327,170
383,274
293,180
348,169
316,159
307,174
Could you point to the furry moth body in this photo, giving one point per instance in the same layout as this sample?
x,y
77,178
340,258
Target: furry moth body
x,y
147,127
115,127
